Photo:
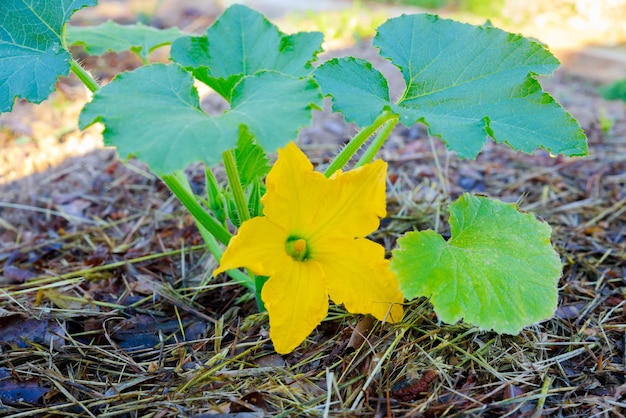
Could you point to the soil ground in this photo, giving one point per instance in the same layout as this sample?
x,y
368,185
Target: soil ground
x,y
107,307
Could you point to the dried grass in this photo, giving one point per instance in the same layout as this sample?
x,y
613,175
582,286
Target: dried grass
x,y
136,275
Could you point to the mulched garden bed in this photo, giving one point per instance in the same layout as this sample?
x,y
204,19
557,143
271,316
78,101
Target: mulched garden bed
x,y
108,307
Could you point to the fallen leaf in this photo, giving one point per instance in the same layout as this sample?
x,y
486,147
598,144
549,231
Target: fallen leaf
x,y
360,332
18,332
15,275
14,392
251,402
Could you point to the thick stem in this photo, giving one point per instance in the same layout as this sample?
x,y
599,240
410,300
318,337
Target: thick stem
x,y
84,76
197,211
211,243
377,143
230,165
238,276
356,143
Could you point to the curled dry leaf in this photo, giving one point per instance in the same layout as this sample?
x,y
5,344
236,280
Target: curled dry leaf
x,y
360,332
17,332
413,391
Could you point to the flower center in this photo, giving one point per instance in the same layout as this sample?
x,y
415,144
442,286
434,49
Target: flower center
x,y
297,248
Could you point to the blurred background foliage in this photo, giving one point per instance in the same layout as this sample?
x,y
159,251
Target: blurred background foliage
x,y
605,18
517,11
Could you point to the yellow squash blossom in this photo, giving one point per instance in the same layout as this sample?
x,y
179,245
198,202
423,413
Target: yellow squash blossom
x,y
310,243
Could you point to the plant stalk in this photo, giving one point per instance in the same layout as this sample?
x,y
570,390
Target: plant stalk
x,y
211,243
197,211
377,143
230,165
238,276
84,76
356,143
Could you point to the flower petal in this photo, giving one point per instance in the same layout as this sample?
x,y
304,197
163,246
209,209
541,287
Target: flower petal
x,y
359,277
308,204
293,191
355,201
259,245
296,300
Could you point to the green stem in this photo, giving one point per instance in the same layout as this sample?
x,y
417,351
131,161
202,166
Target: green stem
x,y
377,143
197,211
259,281
84,76
356,143
238,276
208,237
211,243
230,165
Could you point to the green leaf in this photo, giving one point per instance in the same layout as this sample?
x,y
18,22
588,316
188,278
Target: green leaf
x,y
359,91
465,82
240,43
252,163
111,36
153,113
497,271
32,52
614,91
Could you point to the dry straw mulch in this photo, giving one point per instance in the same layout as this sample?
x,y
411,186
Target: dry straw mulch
x,y
107,306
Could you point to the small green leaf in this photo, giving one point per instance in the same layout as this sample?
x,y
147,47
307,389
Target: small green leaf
x,y
111,36
497,271
252,163
240,43
153,113
32,52
465,82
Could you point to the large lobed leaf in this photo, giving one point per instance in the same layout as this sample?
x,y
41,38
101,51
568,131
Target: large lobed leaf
x,y
241,42
498,270
31,47
153,113
465,82
111,36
